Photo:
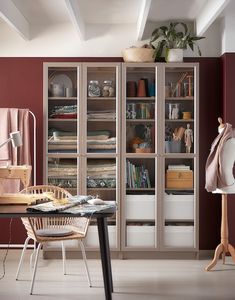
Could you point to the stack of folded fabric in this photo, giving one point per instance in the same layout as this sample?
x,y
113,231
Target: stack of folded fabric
x,y
64,112
103,114
63,169
62,141
101,173
100,141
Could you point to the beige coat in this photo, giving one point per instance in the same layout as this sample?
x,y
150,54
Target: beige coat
x,y
214,169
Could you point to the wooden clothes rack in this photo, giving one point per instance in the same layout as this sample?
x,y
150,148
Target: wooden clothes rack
x,y
224,245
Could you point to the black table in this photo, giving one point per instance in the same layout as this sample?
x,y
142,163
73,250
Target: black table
x,y
19,211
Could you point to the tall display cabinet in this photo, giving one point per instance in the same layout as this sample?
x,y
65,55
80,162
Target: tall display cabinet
x,y
128,133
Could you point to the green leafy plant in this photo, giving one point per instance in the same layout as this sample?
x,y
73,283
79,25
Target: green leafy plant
x,y
167,38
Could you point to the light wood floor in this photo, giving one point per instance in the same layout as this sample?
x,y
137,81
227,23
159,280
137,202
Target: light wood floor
x,y
133,280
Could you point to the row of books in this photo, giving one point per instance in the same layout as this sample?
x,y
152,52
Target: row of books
x,y
137,176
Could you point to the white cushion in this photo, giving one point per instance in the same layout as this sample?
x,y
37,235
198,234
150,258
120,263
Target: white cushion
x,y
54,232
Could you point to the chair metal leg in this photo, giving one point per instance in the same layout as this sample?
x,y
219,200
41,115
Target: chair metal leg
x,y
22,256
63,257
35,268
85,261
32,255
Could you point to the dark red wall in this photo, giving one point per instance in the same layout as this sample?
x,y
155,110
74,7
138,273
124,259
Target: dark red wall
x,y
228,69
21,85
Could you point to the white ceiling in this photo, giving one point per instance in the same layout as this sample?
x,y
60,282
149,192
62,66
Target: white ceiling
x,y
22,15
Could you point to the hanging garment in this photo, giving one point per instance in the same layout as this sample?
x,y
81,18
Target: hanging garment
x,y
214,169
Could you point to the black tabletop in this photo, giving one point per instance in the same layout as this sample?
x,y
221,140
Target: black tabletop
x,y
20,211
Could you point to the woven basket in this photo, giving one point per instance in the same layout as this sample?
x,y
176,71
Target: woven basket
x,y
138,55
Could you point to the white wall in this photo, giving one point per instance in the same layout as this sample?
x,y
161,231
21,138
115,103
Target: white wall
x,y
102,41
228,35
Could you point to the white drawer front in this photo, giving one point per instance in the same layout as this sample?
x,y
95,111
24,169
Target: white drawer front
x,y
140,207
179,207
179,236
92,238
140,236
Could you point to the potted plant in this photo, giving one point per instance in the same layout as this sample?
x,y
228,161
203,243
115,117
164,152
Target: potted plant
x,y
173,41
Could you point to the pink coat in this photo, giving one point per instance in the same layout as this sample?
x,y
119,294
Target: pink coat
x,y
214,169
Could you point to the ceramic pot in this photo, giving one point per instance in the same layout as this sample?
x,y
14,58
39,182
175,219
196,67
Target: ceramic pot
x,y
174,55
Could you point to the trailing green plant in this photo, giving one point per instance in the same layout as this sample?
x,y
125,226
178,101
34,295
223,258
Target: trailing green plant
x,y
167,38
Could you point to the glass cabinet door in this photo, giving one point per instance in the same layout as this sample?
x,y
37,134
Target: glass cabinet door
x,y
102,109
180,157
61,128
139,153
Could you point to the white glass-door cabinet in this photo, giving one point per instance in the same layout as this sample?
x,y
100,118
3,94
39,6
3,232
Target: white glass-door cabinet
x,y
82,135
159,197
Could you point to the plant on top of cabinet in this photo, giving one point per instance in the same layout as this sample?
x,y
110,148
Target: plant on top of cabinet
x,y
173,41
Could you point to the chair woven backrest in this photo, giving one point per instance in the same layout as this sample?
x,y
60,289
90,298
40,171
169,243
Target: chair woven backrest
x,y
80,224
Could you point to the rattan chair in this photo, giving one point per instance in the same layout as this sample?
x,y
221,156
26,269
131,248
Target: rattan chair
x,y
49,229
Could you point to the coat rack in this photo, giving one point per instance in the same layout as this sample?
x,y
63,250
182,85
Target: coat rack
x,y
224,245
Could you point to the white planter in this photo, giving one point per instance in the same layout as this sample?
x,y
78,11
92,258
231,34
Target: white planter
x,y
174,55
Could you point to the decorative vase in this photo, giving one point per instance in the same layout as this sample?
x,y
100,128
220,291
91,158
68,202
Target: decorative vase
x,y
174,55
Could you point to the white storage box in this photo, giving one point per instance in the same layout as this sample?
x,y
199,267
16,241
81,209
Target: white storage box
x,y
92,238
140,236
179,236
179,207
140,207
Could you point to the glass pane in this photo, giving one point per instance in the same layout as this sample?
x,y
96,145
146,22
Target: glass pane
x,y
179,203
101,110
140,110
140,203
63,172
62,110
179,110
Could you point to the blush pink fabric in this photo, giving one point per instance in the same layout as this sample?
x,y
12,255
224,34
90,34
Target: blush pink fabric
x,y
13,119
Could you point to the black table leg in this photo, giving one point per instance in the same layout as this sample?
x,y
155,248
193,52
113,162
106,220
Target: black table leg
x,y
105,257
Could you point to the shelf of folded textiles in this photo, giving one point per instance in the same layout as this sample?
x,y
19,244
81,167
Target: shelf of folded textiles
x,y
140,98
61,120
140,120
179,98
179,120
101,98
62,98
62,177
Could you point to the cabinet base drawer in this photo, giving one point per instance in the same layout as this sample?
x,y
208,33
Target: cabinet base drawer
x,y
179,236
179,207
92,238
140,207
140,236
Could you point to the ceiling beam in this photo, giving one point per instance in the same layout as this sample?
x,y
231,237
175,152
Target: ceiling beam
x,y
11,14
209,13
142,19
76,18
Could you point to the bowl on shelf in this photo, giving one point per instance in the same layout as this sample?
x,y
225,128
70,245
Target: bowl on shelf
x,y
138,55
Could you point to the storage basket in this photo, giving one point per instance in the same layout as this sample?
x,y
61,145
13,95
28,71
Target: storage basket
x,y
138,55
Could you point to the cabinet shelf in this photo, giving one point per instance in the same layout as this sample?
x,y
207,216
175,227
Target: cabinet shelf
x,y
62,98
179,120
62,120
179,98
151,99
140,189
101,98
101,189
101,120
140,120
